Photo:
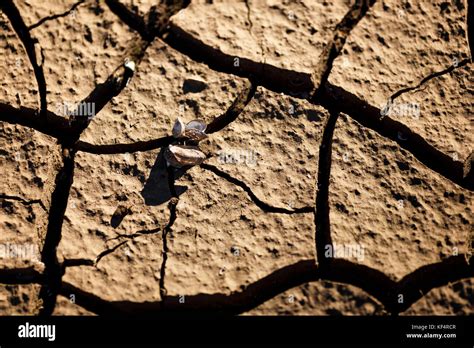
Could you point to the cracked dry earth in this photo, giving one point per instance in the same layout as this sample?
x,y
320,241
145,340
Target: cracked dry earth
x,y
349,123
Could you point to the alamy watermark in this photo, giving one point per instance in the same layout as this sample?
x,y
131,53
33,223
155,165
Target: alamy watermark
x,y
401,109
25,251
345,251
238,156
28,330
82,109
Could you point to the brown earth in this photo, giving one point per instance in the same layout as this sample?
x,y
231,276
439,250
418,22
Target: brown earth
x,y
240,234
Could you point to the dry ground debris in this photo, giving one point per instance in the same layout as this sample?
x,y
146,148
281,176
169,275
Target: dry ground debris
x,y
338,176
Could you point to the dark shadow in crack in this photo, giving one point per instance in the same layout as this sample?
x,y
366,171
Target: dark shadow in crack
x,y
119,215
156,190
313,115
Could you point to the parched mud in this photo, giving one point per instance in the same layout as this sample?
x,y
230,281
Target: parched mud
x,y
338,177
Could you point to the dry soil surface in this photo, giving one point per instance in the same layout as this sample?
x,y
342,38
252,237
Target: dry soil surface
x,y
249,211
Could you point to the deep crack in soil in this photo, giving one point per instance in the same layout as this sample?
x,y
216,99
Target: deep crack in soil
x,y
157,33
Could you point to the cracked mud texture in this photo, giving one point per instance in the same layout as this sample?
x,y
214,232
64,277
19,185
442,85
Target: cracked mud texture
x,y
381,197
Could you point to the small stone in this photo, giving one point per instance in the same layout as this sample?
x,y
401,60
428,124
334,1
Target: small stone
x,y
180,155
